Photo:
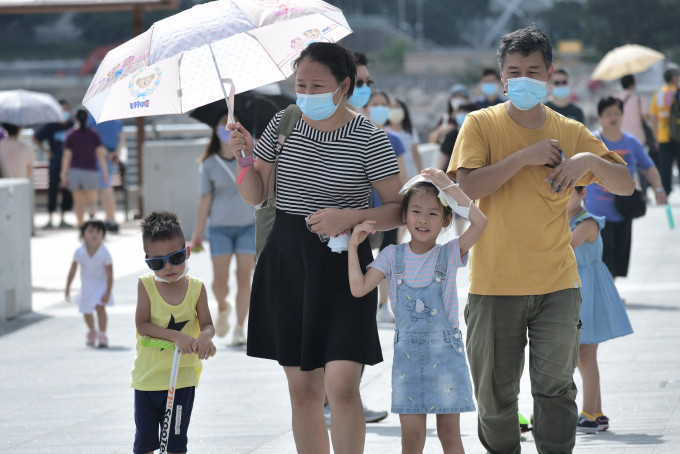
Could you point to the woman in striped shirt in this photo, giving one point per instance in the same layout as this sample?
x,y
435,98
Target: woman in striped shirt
x,y
302,312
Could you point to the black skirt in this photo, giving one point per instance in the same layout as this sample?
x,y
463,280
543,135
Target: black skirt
x,y
301,310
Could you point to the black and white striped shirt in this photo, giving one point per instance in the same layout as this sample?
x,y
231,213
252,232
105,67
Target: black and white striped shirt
x,y
327,169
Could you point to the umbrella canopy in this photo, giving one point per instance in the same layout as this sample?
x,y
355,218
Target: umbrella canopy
x,y
183,62
253,109
628,59
23,108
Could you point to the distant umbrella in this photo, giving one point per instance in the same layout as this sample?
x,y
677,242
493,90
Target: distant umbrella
x,y
23,108
628,59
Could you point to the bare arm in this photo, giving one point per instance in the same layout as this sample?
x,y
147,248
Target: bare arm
x,y
101,157
69,280
417,158
332,221
615,177
203,344
585,231
359,283
65,164
652,175
184,342
403,175
255,184
109,284
481,182
204,205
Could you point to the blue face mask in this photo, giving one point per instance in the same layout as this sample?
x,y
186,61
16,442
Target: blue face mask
x,y
317,107
360,96
561,92
525,92
65,116
379,114
490,88
223,134
460,118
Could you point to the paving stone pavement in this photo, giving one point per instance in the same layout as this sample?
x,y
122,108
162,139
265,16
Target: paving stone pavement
x,y
59,396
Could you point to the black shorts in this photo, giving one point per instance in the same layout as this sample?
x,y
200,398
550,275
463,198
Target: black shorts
x,y
616,240
149,415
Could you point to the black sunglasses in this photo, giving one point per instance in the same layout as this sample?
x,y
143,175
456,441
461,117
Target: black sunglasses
x,y
175,258
557,83
360,83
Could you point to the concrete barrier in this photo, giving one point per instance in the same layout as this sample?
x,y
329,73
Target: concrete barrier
x,y
15,243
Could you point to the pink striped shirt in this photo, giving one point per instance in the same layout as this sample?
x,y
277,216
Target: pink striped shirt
x,y
419,272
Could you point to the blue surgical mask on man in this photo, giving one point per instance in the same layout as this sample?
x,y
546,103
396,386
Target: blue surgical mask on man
x,y
460,118
379,114
525,92
490,88
360,96
561,92
317,107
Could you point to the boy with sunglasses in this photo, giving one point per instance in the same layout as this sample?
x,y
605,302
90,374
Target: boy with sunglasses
x,y
174,306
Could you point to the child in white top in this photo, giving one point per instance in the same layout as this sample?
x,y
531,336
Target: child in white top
x,y
429,373
96,277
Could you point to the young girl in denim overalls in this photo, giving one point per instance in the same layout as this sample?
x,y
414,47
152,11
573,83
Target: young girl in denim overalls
x,y
429,372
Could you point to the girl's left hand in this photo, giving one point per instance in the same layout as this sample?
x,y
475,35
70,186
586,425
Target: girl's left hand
x,y
361,232
328,221
436,176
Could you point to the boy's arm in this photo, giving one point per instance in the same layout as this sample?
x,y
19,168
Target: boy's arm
x,y
360,283
109,283
203,345
182,341
69,280
585,231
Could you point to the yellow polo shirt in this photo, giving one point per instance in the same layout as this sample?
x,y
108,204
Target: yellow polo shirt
x,y
661,108
525,249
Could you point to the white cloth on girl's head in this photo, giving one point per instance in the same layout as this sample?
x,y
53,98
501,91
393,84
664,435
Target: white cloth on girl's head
x,y
446,198
92,277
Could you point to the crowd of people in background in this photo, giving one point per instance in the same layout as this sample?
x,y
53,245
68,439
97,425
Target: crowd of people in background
x,y
524,119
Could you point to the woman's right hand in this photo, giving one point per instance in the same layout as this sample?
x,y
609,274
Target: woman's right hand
x,y
240,139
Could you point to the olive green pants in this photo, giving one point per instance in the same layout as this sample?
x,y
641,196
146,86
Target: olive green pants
x,y
497,328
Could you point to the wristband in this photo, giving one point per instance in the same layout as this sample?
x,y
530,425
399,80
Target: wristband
x,y
245,161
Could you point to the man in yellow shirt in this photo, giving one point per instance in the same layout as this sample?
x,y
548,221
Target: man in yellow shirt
x,y
660,109
520,160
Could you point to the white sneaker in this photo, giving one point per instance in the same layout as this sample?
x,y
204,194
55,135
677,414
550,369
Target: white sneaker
x,y
384,314
222,321
239,337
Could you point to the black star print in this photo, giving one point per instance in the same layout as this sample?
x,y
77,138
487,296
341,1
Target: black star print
x,y
177,326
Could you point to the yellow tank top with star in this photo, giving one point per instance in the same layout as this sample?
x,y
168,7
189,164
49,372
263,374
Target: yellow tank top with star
x,y
151,370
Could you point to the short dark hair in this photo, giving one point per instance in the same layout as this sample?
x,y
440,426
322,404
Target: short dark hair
x,y
491,72
669,74
563,72
361,59
95,224
338,59
627,81
428,188
161,225
469,107
526,40
11,129
608,102
379,93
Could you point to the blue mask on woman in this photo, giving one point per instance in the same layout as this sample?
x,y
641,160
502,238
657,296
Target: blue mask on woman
x,y
525,92
360,96
379,114
317,107
561,92
223,134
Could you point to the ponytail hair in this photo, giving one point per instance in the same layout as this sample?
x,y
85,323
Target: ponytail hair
x,y
82,116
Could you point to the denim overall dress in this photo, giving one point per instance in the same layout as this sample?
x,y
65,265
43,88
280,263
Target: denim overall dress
x,y
429,373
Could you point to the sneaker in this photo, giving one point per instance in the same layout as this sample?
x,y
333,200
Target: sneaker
x,y
90,338
585,425
64,225
602,423
384,314
374,416
222,322
102,340
48,226
111,226
239,337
